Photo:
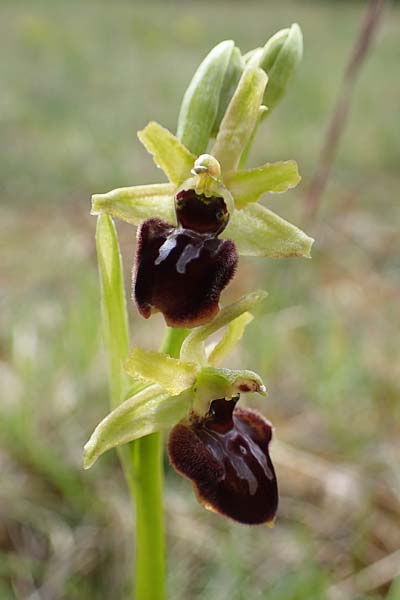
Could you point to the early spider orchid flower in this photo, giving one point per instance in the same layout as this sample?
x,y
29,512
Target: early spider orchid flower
x,y
221,448
192,229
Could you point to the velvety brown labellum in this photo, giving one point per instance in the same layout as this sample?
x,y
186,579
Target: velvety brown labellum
x,y
200,213
181,273
227,459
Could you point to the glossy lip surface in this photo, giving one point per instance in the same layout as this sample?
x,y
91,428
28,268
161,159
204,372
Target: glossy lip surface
x,y
226,455
181,273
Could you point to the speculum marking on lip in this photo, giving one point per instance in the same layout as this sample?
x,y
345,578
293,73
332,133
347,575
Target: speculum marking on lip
x,y
181,273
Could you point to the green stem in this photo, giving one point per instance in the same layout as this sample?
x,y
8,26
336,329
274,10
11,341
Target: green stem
x,y
150,543
142,460
148,495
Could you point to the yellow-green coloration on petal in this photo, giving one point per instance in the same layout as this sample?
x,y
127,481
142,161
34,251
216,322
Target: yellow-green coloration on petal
x,y
230,339
177,387
240,119
168,153
170,373
255,230
193,346
151,410
249,185
258,231
137,203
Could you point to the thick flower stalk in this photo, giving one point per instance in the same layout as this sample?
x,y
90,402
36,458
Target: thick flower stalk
x,y
191,232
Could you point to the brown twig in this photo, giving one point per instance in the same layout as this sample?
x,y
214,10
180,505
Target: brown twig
x,y
337,123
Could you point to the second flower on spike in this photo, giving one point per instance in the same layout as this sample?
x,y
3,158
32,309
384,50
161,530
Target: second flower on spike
x,y
181,271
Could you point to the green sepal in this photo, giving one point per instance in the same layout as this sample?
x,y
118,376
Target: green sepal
x,y
149,411
258,231
135,204
240,119
230,83
229,340
280,58
170,373
212,384
249,185
200,103
193,346
168,152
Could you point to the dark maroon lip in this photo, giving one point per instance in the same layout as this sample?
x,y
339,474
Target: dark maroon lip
x,y
181,273
226,456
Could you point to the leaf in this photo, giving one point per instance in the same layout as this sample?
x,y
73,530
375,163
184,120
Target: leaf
x,y
201,100
258,231
170,373
168,152
192,347
248,186
138,203
240,119
149,411
232,336
113,307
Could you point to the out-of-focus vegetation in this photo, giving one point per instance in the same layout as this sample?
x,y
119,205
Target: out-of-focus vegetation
x,y
78,80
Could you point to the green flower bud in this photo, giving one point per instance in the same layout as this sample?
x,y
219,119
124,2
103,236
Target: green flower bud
x,y
200,103
231,80
279,59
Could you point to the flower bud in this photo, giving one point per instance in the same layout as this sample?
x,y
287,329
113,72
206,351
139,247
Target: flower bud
x,y
230,83
279,59
200,103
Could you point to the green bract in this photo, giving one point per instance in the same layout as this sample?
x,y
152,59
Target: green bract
x,y
175,387
255,230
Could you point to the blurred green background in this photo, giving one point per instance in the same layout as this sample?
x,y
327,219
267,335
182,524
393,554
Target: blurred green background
x,y
78,80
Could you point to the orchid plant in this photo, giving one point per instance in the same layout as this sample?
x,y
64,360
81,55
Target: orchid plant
x,y
190,234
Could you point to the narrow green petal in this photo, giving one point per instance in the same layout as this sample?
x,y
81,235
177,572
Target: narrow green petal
x,y
240,119
135,204
192,348
148,411
168,152
170,373
201,100
248,186
232,336
258,231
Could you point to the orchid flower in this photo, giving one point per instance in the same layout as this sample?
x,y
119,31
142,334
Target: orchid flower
x,y
221,448
192,228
